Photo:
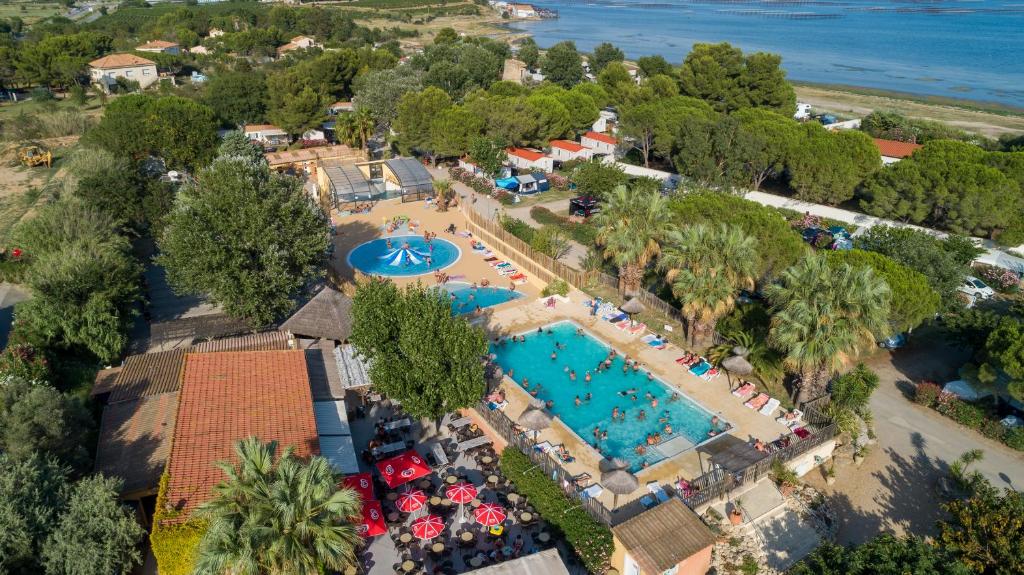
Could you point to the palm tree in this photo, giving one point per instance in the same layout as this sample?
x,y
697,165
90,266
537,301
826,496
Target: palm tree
x,y
631,228
706,266
444,193
280,517
767,362
823,316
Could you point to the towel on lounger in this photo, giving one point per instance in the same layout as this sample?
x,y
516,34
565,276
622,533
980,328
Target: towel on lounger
x,y
744,390
770,407
758,401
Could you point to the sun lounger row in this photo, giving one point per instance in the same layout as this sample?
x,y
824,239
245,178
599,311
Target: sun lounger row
x,y
699,366
763,404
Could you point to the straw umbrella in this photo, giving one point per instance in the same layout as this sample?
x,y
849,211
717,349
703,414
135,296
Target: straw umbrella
x,y
619,482
737,363
631,308
536,419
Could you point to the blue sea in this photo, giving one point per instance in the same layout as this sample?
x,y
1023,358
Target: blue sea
x,y
955,48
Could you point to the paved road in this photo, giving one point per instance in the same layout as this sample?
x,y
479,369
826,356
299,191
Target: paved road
x,y
894,488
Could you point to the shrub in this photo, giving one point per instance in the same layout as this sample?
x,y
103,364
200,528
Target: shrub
x,y
24,361
175,546
992,429
1000,279
556,287
968,414
518,228
1015,438
591,540
927,393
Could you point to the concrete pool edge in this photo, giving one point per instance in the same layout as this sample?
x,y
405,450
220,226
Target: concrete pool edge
x,y
591,449
348,257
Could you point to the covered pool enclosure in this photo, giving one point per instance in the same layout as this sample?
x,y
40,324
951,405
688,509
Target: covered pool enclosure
x,y
350,185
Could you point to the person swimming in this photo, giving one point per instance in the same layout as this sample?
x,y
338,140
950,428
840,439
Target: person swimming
x,y
615,412
550,404
668,429
554,356
654,402
629,391
588,397
586,377
641,416
572,375
578,401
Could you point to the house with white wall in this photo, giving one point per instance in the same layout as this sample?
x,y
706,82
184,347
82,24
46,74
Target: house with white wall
x,y
601,144
566,150
893,151
106,70
267,134
526,159
160,47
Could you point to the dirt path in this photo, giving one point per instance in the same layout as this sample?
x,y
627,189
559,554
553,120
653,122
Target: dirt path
x,y
986,123
894,488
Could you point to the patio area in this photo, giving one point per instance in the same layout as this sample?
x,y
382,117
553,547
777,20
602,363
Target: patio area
x,y
445,506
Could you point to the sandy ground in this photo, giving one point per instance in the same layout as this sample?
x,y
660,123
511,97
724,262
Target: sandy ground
x,y
894,488
988,124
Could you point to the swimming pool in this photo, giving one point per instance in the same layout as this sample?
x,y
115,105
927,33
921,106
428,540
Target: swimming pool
x,y
467,297
690,423
403,256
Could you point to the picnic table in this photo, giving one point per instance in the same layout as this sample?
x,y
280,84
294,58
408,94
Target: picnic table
x,y
439,455
475,442
460,422
400,424
388,449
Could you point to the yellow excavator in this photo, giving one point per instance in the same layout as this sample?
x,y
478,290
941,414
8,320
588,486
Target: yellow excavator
x,y
34,155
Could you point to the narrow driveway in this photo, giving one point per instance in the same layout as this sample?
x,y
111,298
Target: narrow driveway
x,y
894,488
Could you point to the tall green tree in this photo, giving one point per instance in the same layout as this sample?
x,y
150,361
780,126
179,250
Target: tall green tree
x,y
453,130
379,91
37,418
912,298
943,262
706,267
598,179
238,97
248,239
421,354
722,75
632,227
771,142
563,65
826,167
711,151
605,53
883,555
654,124
529,53
274,513
32,492
96,533
488,154
656,65
416,113
554,120
823,316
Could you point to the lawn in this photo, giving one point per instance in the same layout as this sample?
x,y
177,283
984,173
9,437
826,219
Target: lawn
x,y
11,109
30,11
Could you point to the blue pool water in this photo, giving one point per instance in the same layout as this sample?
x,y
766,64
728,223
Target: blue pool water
x,y
467,297
407,256
532,360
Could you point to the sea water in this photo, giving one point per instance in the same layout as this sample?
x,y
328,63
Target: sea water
x,y
532,360
952,48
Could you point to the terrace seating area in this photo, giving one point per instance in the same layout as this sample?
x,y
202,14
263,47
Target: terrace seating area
x,y
444,504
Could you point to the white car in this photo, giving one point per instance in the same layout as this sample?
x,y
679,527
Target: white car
x,y
976,288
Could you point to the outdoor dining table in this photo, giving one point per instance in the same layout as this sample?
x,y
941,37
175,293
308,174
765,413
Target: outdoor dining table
x,y
405,537
513,498
492,479
389,448
543,537
486,460
451,480
475,503
393,425
476,562
437,547
408,566
446,502
466,536
526,517
435,500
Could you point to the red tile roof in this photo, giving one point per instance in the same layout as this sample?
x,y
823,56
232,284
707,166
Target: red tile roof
x,y
601,138
894,149
121,61
531,155
229,396
567,145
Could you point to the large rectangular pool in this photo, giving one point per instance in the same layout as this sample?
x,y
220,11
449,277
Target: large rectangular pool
x,y
647,406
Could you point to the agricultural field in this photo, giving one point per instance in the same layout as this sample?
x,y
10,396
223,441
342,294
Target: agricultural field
x,y
30,11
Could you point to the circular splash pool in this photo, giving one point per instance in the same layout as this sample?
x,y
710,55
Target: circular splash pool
x,y
403,256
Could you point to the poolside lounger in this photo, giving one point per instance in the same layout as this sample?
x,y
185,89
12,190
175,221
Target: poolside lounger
x,y
498,406
520,281
794,421
744,391
618,318
542,447
491,259
464,234
508,272
503,265
700,368
758,401
487,253
594,490
622,324
519,276
658,491
648,338
770,407
638,328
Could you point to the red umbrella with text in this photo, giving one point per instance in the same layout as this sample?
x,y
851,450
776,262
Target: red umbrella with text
x,y
461,493
402,469
410,500
362,483
427,527
372,523
490,514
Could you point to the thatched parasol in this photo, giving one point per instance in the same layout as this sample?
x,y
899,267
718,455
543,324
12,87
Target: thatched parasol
x,y
738,364
632,307
536,419
612,464
619,482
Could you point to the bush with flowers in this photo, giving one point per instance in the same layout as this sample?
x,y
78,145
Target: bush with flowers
x,y
1001,280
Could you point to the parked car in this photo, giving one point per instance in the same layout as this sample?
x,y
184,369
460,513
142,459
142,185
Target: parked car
x,y
976,288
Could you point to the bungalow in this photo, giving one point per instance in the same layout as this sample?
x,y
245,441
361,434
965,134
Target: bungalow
x,y
160,47
666,539
601,144
106,70
893,151
525,159
340,108
297,43
267,135
522,10
565,150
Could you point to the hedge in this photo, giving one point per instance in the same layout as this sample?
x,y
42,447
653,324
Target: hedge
x,y
583,233
592,541
175,546
967,414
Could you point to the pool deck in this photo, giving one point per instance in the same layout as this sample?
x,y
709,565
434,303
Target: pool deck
x,y
528,313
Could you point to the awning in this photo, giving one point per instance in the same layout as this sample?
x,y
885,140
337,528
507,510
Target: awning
x,y
339,450
331,418
507,183
402,469
526,179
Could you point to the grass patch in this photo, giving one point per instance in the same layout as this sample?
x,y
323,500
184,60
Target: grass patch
x,y
14,207
30,11
551,195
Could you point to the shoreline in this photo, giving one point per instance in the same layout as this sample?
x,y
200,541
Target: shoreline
x,y
982,106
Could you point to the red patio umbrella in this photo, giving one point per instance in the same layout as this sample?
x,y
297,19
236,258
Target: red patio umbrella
x,y
489,514
411,500
403,468
461,493
427,527
362,483
372,523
